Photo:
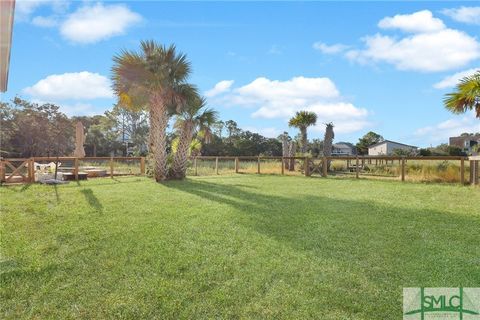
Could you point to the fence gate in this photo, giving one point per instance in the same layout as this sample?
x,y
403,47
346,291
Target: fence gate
x,y
16,170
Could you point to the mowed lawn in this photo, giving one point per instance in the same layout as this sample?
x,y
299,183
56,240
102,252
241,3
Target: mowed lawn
x,y
239,246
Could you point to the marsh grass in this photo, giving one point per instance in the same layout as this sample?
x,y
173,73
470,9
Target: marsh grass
x,y
446,171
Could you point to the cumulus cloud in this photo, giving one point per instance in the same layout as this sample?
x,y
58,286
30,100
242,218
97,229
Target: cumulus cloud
x,y
421,21
67,86
219,88
330,49
431,48
270,99
469,15
452,80
440,132
92,23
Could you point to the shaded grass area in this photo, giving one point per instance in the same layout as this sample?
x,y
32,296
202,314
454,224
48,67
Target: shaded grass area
x,y
239,246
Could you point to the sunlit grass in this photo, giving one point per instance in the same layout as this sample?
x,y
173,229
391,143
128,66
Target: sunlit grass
x,y
232,246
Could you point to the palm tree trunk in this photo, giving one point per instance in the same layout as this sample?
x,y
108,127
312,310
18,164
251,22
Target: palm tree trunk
x,y
328,142
303,132
158,136
181,156
291,153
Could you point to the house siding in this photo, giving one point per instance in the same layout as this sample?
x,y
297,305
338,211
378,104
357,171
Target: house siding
x,y
387,148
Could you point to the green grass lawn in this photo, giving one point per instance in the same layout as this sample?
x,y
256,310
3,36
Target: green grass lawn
x,y
239,246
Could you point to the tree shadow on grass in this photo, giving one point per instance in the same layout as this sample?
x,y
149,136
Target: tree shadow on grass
x,y
365,251
414,245
92,200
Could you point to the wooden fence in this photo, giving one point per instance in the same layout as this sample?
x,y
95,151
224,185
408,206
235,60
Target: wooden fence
x,y
310,166
22,170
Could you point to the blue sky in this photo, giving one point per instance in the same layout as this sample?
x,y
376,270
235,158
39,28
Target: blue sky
x,y
380,66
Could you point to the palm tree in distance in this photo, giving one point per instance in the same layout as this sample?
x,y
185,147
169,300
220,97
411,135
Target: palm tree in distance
x,y
194,118
153,78
466,96
302,120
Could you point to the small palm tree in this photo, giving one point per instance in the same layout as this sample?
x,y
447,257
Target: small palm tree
x,y
154,78
302,120
194,118
466,97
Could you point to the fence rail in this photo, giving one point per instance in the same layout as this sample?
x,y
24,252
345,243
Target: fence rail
x,y
356,165
23,170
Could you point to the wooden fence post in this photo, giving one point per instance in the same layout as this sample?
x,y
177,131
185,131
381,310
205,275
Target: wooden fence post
x,y
76,169
306,167
111,167
283,166
357,169
475,177
403,169
462,171
2,170
258,165
216,165
142,166
195,165
31,170
237,164
324,166
473,172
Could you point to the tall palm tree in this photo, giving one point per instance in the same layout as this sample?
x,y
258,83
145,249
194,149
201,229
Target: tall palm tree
x,y
302,120
328,141
153,78
466,96
194,118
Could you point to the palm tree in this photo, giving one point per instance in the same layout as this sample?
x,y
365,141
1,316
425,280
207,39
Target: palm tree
x,y
302,120
154,78
328,141
466,97
194,118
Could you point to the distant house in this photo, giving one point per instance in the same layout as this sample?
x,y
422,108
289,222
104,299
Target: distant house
x,y
466,143
343,149
387,148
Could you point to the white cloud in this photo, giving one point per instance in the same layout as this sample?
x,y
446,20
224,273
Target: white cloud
x,y
274,50
421,21
46,22
440,132
79,108
431,48
92,23
24,8
428,52
219,88
470,15
67,86
272,99
269,132
452,80
330,49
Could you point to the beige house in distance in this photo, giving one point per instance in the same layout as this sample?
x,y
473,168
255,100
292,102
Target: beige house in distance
x,y
386,148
